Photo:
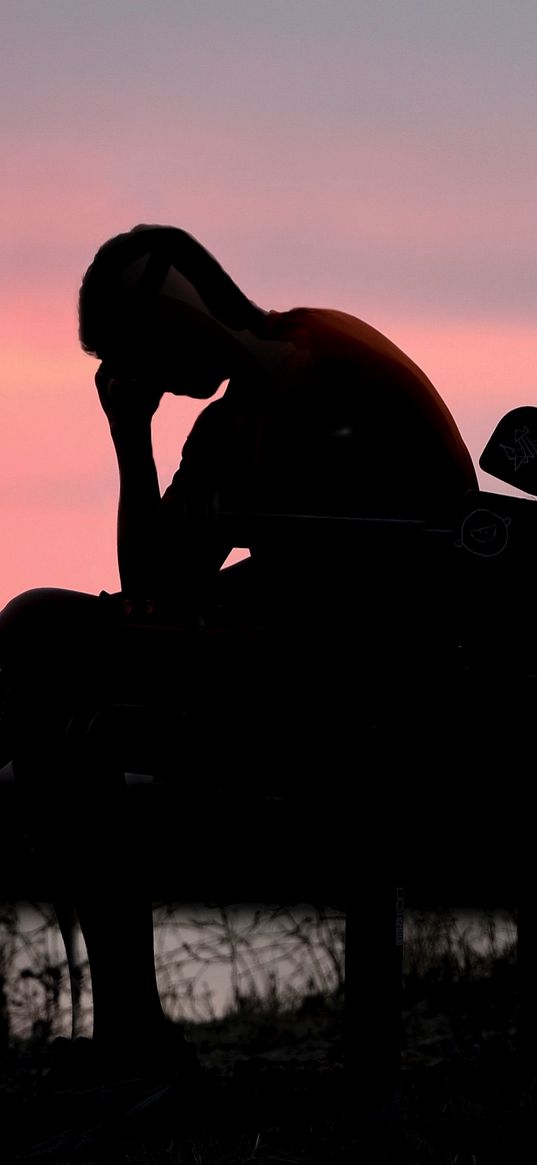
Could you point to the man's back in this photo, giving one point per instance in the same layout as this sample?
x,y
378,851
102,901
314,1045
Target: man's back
x,y
351,428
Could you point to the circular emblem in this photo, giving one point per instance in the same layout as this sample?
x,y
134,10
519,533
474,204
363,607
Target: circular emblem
x,y
485,533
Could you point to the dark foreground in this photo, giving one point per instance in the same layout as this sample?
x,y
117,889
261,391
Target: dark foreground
x,y
273,1092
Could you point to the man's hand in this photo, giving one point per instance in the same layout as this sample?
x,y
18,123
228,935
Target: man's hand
x,y
129,403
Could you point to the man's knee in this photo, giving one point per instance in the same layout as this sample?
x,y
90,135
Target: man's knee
x,y
47,615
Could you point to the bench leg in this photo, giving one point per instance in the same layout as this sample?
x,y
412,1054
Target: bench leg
x,y
527,989
373,998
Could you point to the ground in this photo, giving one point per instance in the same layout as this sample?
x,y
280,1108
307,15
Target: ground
x,y
273,1092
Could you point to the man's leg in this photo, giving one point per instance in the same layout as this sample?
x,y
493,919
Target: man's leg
x,y
61,651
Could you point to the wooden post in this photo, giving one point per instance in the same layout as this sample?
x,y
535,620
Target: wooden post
x,y
373,995
527,988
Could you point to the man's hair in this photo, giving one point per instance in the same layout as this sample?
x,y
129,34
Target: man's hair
x,y
107,314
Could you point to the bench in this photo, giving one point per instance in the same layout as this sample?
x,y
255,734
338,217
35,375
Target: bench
x,y
394,829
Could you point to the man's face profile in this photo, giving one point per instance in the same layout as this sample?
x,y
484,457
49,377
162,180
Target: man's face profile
x,y
172,347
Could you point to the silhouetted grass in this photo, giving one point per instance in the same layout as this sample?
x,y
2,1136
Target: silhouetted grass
x,y
273,1088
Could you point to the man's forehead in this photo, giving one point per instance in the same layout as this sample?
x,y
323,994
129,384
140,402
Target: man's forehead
x,y
174,285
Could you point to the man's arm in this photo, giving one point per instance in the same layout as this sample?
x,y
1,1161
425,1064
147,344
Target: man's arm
x,y
193,545
129,408
138,549
169,547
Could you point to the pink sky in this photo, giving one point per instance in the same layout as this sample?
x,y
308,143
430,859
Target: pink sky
x,y
336,154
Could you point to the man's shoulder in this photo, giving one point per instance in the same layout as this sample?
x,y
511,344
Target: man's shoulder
x,y
336,337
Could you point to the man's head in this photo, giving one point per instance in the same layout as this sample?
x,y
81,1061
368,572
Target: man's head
x,y
154,303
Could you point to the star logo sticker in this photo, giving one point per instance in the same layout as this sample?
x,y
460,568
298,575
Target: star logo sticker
x,y
523,450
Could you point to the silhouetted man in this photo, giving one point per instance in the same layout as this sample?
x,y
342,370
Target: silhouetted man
x,y
322,416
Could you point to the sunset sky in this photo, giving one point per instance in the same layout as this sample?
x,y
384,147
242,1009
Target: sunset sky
x,y
378,156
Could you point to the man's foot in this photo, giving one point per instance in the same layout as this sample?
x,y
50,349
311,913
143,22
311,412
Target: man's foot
x,y
162,1056
71,1065
81,1064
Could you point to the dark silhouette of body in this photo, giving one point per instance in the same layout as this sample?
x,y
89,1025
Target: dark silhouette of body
x,y
324,417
